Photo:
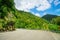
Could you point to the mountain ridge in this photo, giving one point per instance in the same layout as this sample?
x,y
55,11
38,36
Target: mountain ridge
x,y
49,17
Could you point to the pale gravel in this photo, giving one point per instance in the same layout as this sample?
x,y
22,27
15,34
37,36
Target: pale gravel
x,y
23,34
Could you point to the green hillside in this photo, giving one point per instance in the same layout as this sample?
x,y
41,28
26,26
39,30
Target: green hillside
x,y
49,17
11,18
28,20
56,20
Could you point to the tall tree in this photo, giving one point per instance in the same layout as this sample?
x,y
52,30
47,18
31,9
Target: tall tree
x,y
6,6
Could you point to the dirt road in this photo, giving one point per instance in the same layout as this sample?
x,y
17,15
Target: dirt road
x,y
23,34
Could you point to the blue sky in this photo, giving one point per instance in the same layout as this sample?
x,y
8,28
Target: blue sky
x,y
39,7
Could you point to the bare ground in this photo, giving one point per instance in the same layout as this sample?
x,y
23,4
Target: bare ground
x,y
23,34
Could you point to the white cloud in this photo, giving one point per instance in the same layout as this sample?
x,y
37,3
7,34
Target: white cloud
x,y
26,5
37,14
50,1
44,5
56,2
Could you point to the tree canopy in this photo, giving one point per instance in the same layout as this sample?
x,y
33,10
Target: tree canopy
x,y
6,6
56,20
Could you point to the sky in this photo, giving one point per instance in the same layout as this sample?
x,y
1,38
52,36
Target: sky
x,y
39,7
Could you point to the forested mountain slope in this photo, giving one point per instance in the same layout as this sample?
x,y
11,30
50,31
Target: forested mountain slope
x,y
28,20
11,18
49,17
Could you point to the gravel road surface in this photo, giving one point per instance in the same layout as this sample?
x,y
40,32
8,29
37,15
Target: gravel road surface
x,y
23,34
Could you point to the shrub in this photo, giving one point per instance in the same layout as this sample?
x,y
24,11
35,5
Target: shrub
x,y
10,25
53,27
56,20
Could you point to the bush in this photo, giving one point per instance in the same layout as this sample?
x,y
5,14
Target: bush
x,y
53,27
6,26
10,26
56,21
1,24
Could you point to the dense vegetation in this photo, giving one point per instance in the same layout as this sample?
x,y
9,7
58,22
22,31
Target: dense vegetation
x,y
56,21
11,18
28,20
49,17
7,11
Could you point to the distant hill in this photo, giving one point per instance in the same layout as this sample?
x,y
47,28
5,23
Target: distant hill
x,y
49,17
